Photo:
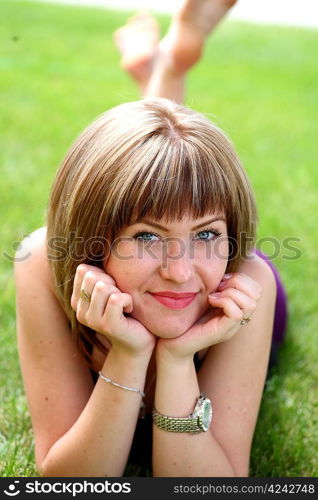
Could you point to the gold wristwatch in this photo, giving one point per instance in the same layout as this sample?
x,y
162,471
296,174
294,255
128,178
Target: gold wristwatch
x,y
198,421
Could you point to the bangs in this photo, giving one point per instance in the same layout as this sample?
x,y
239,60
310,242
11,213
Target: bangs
x,y
179,179
150,158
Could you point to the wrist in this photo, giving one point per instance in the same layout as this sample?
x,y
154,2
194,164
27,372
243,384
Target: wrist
x,y
166,355
125,369
176,386
127,359
131,356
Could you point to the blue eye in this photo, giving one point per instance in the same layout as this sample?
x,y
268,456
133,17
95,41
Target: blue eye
x,y
206,235
209,235
141,236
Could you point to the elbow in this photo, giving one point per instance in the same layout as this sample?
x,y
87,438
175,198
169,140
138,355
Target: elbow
x,y
40,459
55,470
42,463
53,463
240,471
49,468
45,471
233,473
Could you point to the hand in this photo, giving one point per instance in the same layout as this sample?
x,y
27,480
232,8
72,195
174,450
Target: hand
x,y
236,297
105,311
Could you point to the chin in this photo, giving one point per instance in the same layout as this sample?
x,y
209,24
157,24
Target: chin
x,y
167,335
168,332
166,327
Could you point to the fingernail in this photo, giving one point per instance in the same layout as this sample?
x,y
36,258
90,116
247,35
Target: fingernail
x,y
227,276
214,295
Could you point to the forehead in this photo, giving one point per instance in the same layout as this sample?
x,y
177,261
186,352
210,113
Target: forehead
x,y
187,221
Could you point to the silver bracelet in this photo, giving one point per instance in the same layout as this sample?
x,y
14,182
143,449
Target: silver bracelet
x,y
142,394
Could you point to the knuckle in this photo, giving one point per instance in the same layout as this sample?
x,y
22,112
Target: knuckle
x,y
113,298
100,285
81,269
89,275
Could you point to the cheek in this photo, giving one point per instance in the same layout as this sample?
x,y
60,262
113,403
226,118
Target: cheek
x,y
215,265
222,250
128,271
119,261
222,256
122,272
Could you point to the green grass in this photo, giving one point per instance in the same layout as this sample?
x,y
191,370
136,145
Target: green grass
x,y
59,69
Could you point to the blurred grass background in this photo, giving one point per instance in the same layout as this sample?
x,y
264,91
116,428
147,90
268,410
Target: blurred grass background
x,y
59,70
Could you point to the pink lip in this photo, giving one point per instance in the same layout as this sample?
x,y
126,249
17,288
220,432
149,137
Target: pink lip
x,y
174,300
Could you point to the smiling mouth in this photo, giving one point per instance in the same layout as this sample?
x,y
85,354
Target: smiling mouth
x,y
174,302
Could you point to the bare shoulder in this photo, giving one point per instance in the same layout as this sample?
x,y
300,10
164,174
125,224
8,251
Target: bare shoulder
x,y
256,268
56,379
33,241
32,253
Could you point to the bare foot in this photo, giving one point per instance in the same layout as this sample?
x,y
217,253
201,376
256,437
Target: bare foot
x,y
190,26
137,42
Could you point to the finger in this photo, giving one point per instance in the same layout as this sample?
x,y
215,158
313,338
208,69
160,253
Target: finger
x,y
253,283
83,305
238,276
113,314
229,307
243,283
81,271
99,299
243,301
79,276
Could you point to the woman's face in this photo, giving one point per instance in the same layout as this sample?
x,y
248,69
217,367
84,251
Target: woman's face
x,y
187,257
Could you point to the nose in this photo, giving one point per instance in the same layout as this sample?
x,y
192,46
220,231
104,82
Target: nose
x,y
177,266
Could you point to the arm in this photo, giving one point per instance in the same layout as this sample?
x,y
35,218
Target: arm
x,y
183,454
80,430
99,441
232,376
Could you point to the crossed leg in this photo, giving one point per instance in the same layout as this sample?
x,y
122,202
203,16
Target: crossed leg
x,y
160,67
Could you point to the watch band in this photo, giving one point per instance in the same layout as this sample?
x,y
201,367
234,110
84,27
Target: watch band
x,y
198,421
175,424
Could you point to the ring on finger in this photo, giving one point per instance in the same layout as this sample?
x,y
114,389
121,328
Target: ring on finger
x,y
245,320
84,295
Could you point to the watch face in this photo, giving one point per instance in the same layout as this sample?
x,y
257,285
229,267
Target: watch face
x,y
206,414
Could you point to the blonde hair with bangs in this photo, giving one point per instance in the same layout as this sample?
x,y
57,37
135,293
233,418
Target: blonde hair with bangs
x,y
151,157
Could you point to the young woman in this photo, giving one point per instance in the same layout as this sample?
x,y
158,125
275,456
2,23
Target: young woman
x,y
145,318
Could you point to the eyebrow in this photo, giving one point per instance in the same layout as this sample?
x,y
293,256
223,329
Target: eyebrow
x,y
155,224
